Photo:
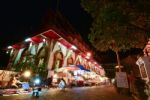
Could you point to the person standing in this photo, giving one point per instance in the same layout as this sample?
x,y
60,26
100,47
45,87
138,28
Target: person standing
x,y
62,84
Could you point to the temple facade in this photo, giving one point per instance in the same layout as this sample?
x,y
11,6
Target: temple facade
x,y
57,45
51,51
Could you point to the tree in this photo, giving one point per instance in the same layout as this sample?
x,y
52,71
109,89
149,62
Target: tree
x,y
118,25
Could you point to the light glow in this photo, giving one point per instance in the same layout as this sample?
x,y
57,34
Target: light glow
x,y
59,43
9,47
89,54
74,47
37,81
44,40
88,57
27,74
55,76
28,40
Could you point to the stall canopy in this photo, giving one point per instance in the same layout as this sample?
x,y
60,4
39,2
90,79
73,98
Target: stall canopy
x,y
83,68
68,68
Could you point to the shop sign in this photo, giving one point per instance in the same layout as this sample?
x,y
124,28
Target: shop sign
x,y
121,78
143,71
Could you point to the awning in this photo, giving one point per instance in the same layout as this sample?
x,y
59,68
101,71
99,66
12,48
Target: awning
x,y
37,39
51,34
18,45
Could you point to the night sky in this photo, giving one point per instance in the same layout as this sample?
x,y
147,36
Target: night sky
x,y
21,18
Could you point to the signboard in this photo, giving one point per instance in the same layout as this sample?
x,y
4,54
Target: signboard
x,y
121,78
143,71
144,67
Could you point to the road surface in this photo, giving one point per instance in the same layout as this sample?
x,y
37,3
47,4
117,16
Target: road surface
x,y
78,93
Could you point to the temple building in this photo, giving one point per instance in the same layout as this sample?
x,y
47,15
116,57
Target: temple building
x,y
57,46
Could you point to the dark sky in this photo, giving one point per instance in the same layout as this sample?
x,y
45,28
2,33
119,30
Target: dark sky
x,y
20,18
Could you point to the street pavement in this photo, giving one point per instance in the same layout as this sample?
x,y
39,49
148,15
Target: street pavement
x,y
78,93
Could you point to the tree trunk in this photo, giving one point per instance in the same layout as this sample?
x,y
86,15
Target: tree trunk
x,y
118,60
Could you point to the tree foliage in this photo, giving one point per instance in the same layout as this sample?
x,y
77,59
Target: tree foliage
x,y
118,24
